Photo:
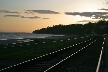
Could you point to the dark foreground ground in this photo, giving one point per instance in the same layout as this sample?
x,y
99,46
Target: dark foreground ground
x,y
84,61
106,54
9,41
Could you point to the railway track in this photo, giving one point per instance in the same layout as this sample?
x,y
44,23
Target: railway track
x,y
49,61
85,61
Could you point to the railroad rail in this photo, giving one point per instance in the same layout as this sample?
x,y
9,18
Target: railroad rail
x,y
48,62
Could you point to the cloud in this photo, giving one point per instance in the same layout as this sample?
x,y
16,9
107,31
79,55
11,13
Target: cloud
x,y
35,17
26,12
6,11
43,11
93,15
103,9
85,14
12,15
106,2
100,17
87,21
45,18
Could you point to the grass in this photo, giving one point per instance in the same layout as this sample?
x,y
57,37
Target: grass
x,y
35,48
84,61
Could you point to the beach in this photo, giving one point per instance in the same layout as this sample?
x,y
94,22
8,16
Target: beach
x,y
8,38
4,44
10,41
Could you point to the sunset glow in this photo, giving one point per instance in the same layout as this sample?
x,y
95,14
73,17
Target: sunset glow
x,y
29,15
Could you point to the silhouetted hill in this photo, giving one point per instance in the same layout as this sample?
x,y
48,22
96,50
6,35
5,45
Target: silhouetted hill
x,y
100,27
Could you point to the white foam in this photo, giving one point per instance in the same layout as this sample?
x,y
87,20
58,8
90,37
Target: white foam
x,y
3,39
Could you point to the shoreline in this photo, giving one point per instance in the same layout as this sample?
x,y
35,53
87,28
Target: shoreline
x,y
10,41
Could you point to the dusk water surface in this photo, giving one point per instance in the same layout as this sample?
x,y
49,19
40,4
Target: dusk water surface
x,y
7,35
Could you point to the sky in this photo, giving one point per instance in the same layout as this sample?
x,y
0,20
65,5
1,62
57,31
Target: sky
x,y
30,15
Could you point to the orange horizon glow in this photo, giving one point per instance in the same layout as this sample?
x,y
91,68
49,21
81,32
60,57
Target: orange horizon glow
x,y
19,24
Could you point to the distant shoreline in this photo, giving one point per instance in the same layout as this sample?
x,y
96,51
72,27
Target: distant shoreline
x,y
10,41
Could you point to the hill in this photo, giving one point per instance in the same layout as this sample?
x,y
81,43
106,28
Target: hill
x,y
100,27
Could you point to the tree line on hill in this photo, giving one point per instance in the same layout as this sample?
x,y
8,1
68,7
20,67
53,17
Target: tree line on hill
x,y
100,27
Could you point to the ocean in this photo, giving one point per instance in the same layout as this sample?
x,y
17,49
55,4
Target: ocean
x,y
13,35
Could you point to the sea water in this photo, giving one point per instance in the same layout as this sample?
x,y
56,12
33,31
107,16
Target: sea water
x,y
13,35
